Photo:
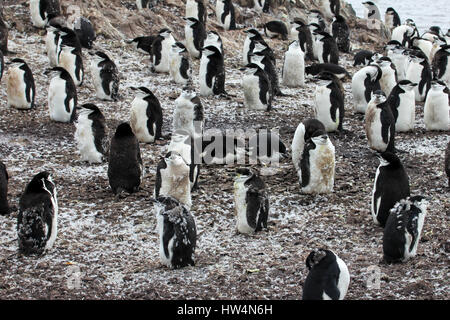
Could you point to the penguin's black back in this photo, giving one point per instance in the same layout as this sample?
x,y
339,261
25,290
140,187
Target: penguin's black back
x,y
85,32
215,68
109,74
313,128
257,201
29,83
71,91
145,43
317,68
305,40
440,62
154,114
372,86
277,26
393,99
361,57
98,129
4,207
70,39
341,32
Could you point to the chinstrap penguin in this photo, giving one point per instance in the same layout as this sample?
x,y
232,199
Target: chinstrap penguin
x,y
293,73
20,85
62,96
212,72
257,88
364,82
403,105
195,35
179,65
225,14
305,131
161,47
105,76
436,108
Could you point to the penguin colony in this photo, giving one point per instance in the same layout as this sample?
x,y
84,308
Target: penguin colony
x,y
380,92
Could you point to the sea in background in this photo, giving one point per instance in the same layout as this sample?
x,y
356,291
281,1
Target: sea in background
x,y
425,13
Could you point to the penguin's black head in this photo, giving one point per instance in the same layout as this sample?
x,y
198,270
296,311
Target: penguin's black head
x,y
314,27
370,3
406,85
313,128
299,22
378,96
123,130
389,158
89,106
178,47
339,19
420,201
102,55
436,30
67,32
244,172
211,50
17,61
253,34
319,256
146,90
390,10
41,182
250,68
438,85
191,21
164,32
58,70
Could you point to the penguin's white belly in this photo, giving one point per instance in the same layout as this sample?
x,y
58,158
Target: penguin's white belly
x,y
319,50
387,81
54,229
375,202
344,278
35,14
294,69
240,195
322,163
414,74
174,69
436,111
16,89
407,253
204,89
326,8
219,11
56,103
298,144
175,183
293,34
165,259
400,63
191,9
138,121
183,119
322,107
406,112
245,51
358,88
374,130
51,48
84,137
166,46
189,35
68,61
250,85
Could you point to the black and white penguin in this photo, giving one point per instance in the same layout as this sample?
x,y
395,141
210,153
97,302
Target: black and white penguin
x,y
379,123
317,165
341,33
37,221
20,85
4,207
253,36
62,96
41,9
225,14
188,115
72,61
328,277
329,102
419,72
173,178
391,19
447,163
214,39
403,105
195,35
403,34
330,8
390,186
196,9
400,59
143,44
212,72
293,72
161,47
257,88
426,46
85,32
51,42
251,201
327,50
177,233
275,28
433,33
179,66
372,11
305,131
125,167
436,108
262,5
105,76
403,229
266,147
146,116
90,134
441,64
315,17
145,4
364,82
317,68
68,38
304,37
265,63
388,78
363,57
3,35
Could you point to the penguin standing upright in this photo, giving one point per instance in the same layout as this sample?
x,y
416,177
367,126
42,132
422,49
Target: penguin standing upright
x,y
403,105
372,11
67,37
179,66
37,221
41,10
265,63
315,18
20,85
4,207
225,14
262,5
341,33
276,28
253,37
305,131
447,163
188,114
327,50
328,277
105,76
212,72
403,34
70,59
400,60
251,201
196,9
329,102
388,78
125,167
304,37
85,32
257,88
293,73
90,134
364,82
317,165
195,35
3,35
146,116
330,8
51,43
62,96
403,229
213,39
177,233
441,64
161,47
391,19
379,123
419,72
390,186
436,108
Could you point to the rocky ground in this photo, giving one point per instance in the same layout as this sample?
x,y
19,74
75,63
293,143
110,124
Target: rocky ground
x,y
107,248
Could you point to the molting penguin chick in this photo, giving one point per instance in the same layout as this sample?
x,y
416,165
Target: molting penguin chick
x,y
196,9
305,131
212,72
328,276
326,48
391,19
436,108
390,186
20,85
257,88
161,47
304,37
180,69
276,28
372,11
317,165
85,32
146,116
62,96
364,82
293,74
329,102
225,14
379,123
419,72
403,105
41,10
177,233
188,114
341,33
403,229
315,18
4,207
38,215
90,134
105,76
125,169
70,59
251,201
195,35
